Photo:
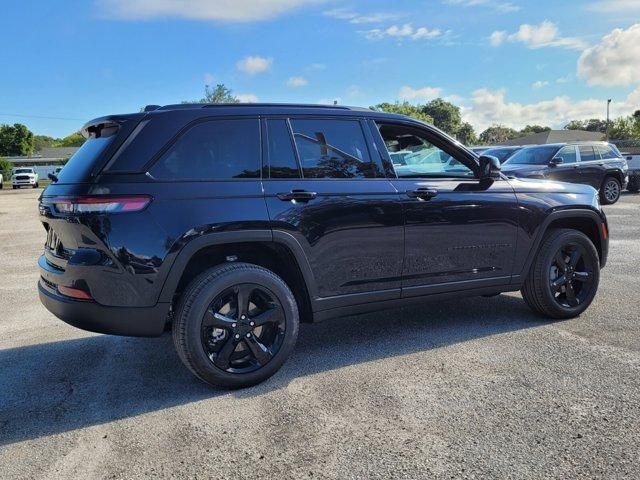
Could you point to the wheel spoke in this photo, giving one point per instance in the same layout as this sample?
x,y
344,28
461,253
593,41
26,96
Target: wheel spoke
x,y
243,295
571,295
261,353
559,282
582,276
575,258
212,319
560,261
224,354
270,315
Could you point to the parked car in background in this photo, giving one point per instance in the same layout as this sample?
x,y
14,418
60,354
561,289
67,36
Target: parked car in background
x,y
633,162
237,222
1,180
478,150
24,177
598,164
501,153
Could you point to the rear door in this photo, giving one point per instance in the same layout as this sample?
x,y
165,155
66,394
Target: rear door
x,y
326,192
460,232
592,166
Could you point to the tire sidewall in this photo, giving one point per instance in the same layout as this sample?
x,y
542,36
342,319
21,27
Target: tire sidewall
x,y
203,298
547,259
604,184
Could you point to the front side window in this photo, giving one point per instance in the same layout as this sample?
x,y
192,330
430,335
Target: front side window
x,y
332,148
587,153
568,154
216,149
413,155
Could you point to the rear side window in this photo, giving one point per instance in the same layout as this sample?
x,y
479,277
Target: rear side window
x,y
80,165
282,157
587,153
606,151
332,148
214,150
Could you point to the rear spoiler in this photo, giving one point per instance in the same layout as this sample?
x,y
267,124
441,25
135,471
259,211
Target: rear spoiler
x,y
109,125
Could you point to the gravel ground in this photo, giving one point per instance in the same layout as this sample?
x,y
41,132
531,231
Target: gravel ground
x,y
472,388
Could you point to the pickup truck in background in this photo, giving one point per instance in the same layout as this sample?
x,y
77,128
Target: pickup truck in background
x,y
633,161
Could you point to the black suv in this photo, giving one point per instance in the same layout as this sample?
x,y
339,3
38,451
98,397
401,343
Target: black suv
x,y
598,164
236,222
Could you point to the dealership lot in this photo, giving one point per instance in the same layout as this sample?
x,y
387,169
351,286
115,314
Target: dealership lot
x,y
469,388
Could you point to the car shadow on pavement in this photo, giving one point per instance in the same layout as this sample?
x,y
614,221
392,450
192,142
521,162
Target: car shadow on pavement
x,y
56,387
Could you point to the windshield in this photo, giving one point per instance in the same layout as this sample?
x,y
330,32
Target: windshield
x,y
501,153
539,155
23,170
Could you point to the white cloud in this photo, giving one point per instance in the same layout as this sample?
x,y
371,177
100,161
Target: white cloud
x,y
254,64
499,6
538,36
402,32
247,98
296,82
615,6
498,37
360,18
407,93
490,107
209,79
565,79
217,10
613,61
540,84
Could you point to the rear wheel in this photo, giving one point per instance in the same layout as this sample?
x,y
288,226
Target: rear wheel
x,y
610,191
564,277
634,184
236,324
36,185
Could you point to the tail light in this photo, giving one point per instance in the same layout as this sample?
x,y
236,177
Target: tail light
x,y
101,204
74,293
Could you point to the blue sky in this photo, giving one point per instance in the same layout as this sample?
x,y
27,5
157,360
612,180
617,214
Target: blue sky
x,y
503,61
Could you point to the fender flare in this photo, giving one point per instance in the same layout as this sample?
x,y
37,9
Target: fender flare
x,y
285,239
598,220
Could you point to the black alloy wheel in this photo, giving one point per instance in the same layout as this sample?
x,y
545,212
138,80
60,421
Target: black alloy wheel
x,y
571,276
243,328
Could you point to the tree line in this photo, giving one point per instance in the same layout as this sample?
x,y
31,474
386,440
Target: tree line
x,y
17,140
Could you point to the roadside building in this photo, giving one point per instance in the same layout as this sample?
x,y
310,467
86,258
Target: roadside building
x,y
46,161
556,136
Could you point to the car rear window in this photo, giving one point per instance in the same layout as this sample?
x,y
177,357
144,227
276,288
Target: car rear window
x,y
79,166
216,149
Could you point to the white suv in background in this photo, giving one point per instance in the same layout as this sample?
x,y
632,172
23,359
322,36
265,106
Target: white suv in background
x,y
24,177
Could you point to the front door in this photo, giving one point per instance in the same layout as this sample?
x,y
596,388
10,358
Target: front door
x,y
324,191
568,169
460,232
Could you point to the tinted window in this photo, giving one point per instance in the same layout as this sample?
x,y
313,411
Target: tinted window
x,y
606,151
332,149
218,149
587,153
413,155
568,154
532,156
501,153
81,163
282,158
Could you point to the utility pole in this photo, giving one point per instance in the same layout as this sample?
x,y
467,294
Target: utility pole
x,y
607,132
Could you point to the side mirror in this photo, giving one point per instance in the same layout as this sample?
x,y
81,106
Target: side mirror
x,y
555,161
489,167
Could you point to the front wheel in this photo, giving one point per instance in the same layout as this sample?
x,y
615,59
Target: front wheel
x,y
610,191
235,325
564,277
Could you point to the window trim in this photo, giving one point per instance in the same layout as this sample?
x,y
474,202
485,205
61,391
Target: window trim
x,y
439,141
575,151
146,169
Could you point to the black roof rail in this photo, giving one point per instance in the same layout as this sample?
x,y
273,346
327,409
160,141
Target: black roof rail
x,y
180,106
151,108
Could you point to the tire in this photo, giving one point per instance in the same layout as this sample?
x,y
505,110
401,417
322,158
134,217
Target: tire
x,y
610,191
14,187
547,298
634,184
201,339
36,185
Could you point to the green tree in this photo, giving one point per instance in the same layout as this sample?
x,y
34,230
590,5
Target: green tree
x,y
5,168
404,108
42,141
625,128
219,94
575,125
497,134
74,140
15,140
446,116
467,135
531,129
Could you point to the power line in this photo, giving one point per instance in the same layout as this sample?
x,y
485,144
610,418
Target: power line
x,y
42,117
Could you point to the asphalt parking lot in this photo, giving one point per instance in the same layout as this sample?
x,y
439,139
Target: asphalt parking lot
x,y
472,388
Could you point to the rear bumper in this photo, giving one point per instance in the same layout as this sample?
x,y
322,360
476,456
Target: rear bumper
x,y
130,321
